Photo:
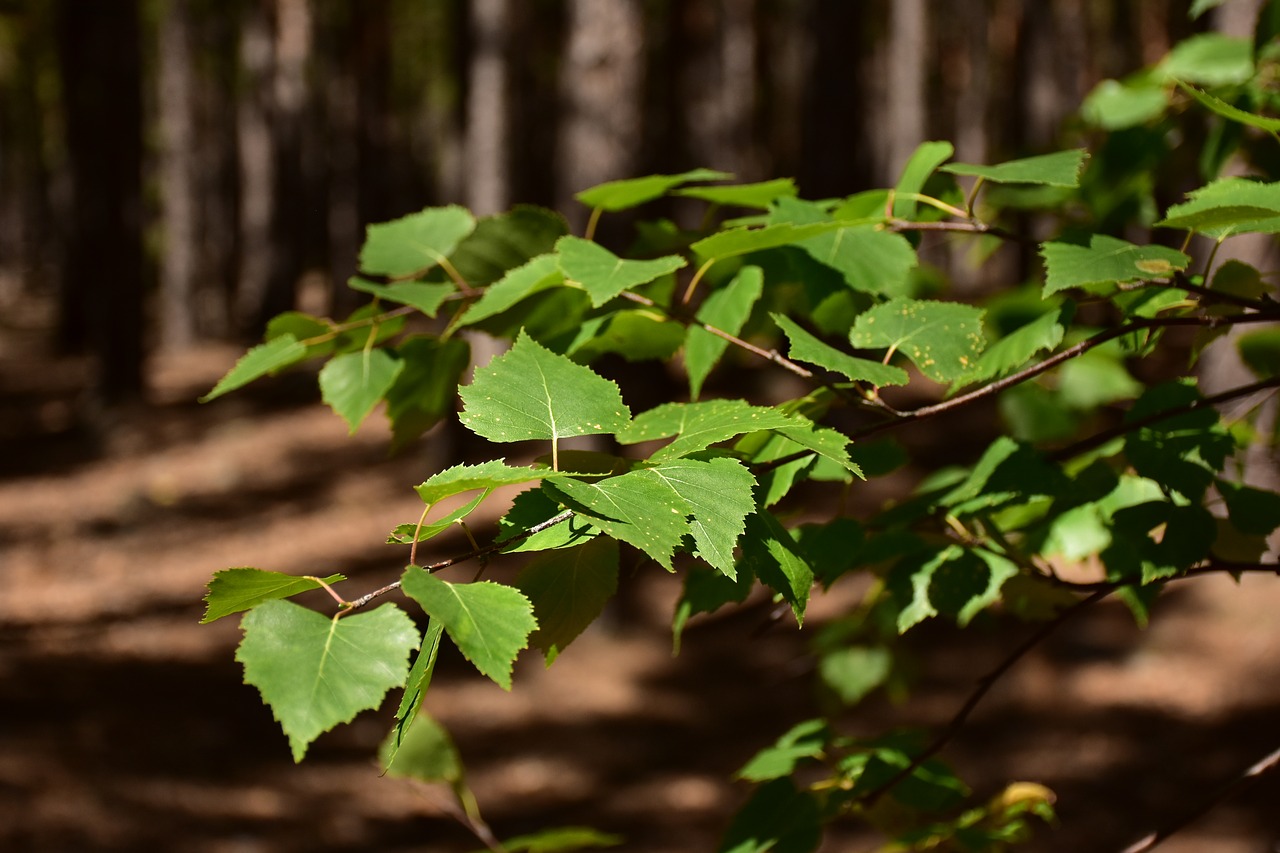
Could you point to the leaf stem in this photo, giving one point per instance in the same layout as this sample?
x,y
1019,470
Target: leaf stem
x,y
592,222
693,283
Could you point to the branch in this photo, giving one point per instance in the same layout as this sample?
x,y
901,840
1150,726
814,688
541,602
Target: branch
x,y
462,558
963,226
769,355
1265,305
983,687
1053,361
1249,777
1099,439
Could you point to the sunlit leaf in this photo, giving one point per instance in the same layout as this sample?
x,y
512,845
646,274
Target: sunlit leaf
x,y
806,347
1106,260
235,590
353,383
1060,169
927,157
531,392
488,622
726,309
760,194
637,507
942,339
603,274
315,671
427,298
630,192
415,243
277,353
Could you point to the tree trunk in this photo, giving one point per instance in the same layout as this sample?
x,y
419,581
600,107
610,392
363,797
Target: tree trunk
x,y
835,153
177,108
488,136
601,82
719,84
907,69
103,288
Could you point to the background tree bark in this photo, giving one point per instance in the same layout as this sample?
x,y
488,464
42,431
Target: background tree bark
x,y
103,274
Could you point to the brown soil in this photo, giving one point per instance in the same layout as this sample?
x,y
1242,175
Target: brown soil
x,y
124,725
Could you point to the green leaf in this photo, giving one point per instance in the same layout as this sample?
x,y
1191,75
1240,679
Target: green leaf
x,y
954,581
560,839
603,274
632,192
234,590
503,242
415,686
426,387
741,241
1116,105
315,671
760,194
1060,169
854,671
1222,108
568,589
697,426
777,818
1252,510
415,243
828,443
1180,452
942,339
1016,350
719,495
804,740
726,309
537,275
1227,206
1157,539
927,157
1260,350
277,353
770,552
530,392
637,334
353,383
638,508
806,347
406,534
424,752
533,507
706,591
1106,260
1210,59
427,298
488,622
1199,7
487,475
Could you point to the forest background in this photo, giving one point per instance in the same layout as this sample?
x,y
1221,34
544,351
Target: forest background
x,y
174,173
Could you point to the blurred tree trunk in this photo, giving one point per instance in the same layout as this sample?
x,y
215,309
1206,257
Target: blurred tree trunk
x,y
217,30
719,84
488,109
103,288
835,153
601,85
177,117
275,48
907,72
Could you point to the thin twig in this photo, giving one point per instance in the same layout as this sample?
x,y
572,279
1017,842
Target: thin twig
x,y
962,226
1181,282
983,687
1053,361
470,555
1249,777
1101,438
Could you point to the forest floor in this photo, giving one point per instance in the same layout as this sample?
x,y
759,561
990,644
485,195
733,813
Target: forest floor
x,y
125,725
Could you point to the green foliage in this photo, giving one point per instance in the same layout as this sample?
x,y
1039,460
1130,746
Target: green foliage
x,y
1108,457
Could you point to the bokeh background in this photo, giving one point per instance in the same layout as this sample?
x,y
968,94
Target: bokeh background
x,y
175,172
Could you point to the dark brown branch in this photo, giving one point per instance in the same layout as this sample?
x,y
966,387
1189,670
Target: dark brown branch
x,y
980,691
1249,777
1099,439
1264,305
1053,361
969,227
